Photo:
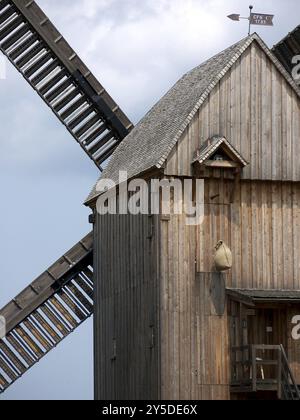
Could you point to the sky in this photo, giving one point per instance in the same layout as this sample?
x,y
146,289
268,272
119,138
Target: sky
x,y
137,50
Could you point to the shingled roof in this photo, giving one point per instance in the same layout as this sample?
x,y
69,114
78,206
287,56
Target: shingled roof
x,y
151,141
264,296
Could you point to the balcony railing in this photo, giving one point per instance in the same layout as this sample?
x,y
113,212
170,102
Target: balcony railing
x,y
263,368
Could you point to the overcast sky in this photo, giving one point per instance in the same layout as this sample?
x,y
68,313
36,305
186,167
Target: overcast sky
x,y
137,49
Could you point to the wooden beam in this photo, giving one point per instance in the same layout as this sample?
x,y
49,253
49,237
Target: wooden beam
x,y
239,297
224,164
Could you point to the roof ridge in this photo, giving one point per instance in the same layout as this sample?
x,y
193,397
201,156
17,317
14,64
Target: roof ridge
x,y
217,55
190,72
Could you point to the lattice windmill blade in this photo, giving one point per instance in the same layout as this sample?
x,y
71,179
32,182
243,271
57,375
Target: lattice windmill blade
x,y
46,312
40,53
288,50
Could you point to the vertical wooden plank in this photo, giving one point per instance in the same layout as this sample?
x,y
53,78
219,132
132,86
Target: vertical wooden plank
x,y
266,118
182,153
214,107
257,236
235,105
265,234
193,143
225,112
254,113
285,124
288,250
276,124
235,234
245,238
164,309
205,121
287,134
176,314
277,269
245,106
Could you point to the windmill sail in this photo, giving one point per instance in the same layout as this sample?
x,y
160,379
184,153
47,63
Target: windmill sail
x,y
46,312
288,49
40,53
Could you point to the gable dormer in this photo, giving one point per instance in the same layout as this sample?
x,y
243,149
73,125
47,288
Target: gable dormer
x,y
218,154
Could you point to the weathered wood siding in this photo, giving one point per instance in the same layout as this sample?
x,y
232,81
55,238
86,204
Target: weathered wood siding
x,y
126,308
257,111
261,226
194,336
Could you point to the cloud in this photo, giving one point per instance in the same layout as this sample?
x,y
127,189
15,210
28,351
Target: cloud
x,y
138,49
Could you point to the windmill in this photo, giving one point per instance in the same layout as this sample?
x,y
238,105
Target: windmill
x,y
61,298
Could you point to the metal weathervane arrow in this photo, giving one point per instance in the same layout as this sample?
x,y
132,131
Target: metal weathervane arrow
x,y
260,19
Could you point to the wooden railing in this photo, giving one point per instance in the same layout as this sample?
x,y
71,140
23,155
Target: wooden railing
x,y
241,366
290,389
263,368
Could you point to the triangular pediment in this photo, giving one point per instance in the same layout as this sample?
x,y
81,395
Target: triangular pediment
x,y
219,153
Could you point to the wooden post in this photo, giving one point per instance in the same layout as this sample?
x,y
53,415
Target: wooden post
x,y
279,375
254,369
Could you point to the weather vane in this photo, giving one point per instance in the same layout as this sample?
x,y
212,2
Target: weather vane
x,y
254,19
